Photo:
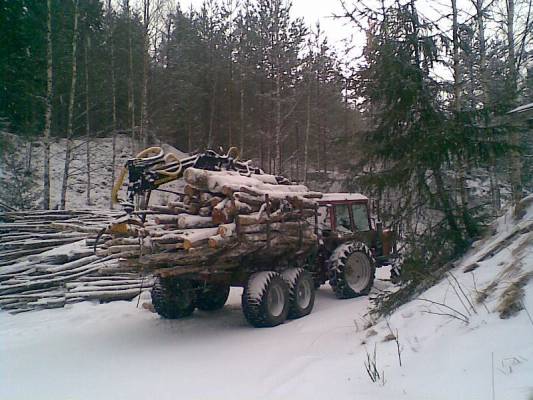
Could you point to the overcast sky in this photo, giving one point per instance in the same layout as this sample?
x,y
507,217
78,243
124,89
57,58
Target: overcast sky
x,y
339,30
313,11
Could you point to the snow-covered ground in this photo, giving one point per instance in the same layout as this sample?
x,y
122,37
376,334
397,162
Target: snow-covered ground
x,y
121,351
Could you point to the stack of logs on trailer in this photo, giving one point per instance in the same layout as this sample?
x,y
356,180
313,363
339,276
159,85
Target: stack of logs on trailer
x,y
221,217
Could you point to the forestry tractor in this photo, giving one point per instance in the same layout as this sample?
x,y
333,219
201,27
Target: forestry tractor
x,y
277,240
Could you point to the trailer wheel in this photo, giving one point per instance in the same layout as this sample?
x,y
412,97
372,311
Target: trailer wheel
x,y
301,291
212,296
352,270
265,300
173,298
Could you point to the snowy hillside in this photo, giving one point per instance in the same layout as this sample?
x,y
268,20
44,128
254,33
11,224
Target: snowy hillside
x,y
452,342
101,169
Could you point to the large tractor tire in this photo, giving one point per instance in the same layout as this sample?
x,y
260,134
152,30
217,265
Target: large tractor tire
x,y
265,300
212,296
301,291
352,270
173,298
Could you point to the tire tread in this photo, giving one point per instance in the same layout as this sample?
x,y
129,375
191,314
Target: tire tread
x,y
337,264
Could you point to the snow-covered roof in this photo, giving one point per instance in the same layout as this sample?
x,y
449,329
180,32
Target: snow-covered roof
x,y
342,197
522,108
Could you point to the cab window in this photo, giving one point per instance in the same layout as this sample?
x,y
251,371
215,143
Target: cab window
x,y
360,216
342,218
324,222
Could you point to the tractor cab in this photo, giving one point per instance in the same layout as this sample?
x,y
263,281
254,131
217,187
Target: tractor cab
x,y
344,213
344,217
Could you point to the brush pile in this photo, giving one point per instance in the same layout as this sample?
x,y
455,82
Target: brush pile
x,y
47,261
221,219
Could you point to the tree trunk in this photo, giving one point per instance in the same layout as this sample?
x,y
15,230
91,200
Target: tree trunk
x,y
48,112
276,55
262,126
146,65
131,94
456,65
87,125
482,50
230,93
307,132
346,109
189,135
242,117
277,138
514,140
113,102
68,150
494,186
457,87
416,25
29,156
319,128
212,114
298,158
325,149
214,77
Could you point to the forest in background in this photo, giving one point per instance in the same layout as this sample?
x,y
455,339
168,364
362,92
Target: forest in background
x,y
243,74
414,120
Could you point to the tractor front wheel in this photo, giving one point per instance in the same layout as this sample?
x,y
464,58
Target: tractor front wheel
x,y
352,270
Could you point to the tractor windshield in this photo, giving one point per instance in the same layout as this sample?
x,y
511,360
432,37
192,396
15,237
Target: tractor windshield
x,y
342,214
360,216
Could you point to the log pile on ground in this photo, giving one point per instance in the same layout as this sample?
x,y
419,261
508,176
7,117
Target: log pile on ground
x,y
221,217
47,261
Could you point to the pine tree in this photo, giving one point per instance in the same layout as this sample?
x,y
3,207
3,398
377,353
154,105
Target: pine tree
x,y
408,142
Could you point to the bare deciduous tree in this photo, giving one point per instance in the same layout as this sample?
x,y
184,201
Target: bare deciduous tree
x,y
48,112
70,133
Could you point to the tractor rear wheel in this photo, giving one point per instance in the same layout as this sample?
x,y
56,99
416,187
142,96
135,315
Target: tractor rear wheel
x,y
352,270
265,300
173,298
212,296
301,291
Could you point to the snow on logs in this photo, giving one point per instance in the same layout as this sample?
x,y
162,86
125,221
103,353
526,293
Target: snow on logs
x,y
221,216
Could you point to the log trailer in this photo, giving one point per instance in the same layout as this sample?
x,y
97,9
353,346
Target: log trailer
x,y
234,225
